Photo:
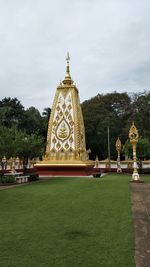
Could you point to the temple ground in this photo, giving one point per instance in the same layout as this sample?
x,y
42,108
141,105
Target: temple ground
x,y
68,222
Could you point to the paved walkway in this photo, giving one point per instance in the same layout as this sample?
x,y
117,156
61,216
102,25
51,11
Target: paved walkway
x,y
10,186
140,197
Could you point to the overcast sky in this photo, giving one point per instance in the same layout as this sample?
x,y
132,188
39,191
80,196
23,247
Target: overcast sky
x,y
108,42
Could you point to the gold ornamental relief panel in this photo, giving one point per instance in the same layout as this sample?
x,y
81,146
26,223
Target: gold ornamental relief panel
x,y
63,130
63,122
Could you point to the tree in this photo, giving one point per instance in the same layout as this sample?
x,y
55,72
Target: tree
x,y
33,121
142,113
29,147
93,111
127,149
46,113
16,143
99,113
143,149
11,112
8,137
45,117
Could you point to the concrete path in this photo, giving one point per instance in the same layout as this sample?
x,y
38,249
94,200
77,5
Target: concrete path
x,y
10,186
140,197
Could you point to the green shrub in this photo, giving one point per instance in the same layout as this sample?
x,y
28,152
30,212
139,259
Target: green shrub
x,y
33,176
7,179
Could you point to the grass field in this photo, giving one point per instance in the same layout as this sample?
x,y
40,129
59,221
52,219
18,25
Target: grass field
x,y
67,222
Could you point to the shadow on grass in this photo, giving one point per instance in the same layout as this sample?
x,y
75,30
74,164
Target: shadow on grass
x,y
74,234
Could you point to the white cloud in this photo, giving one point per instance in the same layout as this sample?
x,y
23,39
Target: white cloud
x,y
108,42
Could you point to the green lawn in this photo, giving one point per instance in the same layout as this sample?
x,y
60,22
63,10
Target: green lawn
x,y
145,178
67,222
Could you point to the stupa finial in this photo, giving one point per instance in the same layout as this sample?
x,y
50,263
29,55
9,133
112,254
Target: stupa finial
x,y
67,79
68,58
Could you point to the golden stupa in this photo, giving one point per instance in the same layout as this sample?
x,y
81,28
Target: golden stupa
x,y
66,147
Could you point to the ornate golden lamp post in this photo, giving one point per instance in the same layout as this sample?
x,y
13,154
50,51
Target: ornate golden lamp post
x,y
118,148
134,136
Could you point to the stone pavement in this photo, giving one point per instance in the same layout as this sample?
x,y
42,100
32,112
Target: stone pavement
x,y
140,197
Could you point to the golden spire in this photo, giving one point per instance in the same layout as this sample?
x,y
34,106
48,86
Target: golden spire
x,y
67,79
67,57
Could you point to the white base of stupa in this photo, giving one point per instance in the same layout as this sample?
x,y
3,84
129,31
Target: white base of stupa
x,y
135,177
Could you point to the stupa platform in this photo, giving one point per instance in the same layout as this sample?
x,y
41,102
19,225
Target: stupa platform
x,y
65,168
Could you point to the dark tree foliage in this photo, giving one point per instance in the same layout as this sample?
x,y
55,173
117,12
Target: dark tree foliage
x,y
116,111
46,113
11,112
143,149
33,122
45,117
142,113
22,132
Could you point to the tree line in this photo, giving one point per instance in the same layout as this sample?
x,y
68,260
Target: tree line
x,y
23,131
117,111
